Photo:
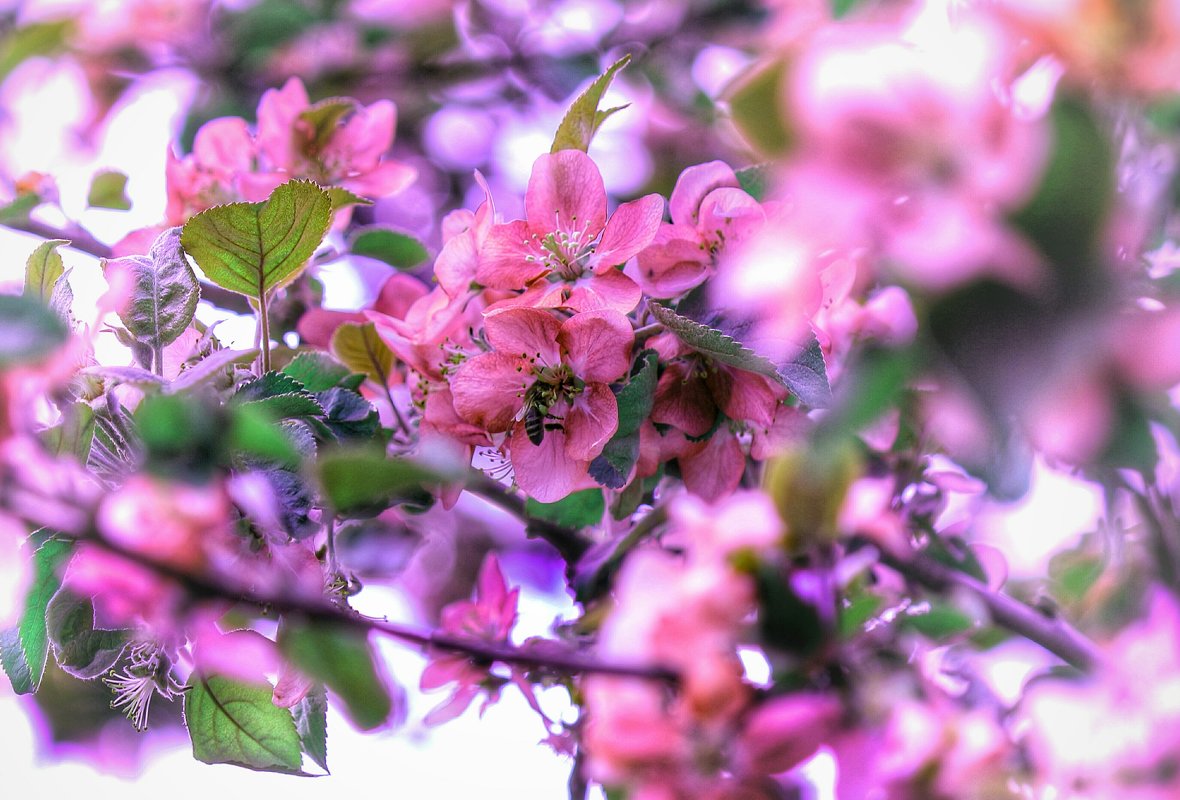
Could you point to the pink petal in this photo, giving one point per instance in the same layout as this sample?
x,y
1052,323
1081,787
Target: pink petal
x,y
630,229
317,325
452,708
598,345
676,261
224,145
457,262
612,289
743,395
713,469
591,421
398,294
277,111
566,193
386,179
364,137
692,186
524,333
491,588
509,258
730,215
257,186
545,473
444,670
684,401
489,389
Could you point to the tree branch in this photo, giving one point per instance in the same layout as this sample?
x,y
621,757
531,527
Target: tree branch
x,y
571,544
1052,633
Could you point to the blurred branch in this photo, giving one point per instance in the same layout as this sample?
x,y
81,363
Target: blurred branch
x,y
77,524
1052,633
571,544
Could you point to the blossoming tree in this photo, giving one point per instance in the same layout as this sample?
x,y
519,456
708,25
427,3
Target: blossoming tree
x,y
753,412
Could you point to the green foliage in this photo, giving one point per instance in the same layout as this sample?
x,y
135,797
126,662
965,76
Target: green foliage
x,y
754,106
81,649
24,648
319,121
361,349
255,248
236,723
613,466
109,190
316,371
804,373
164,293
583,119
43,269
755,180
29,330
343,660
396,249
364,482
35,39
940,622
311,723
577,510
280,396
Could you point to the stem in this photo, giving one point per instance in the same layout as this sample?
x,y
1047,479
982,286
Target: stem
x,y
647,331
263,334
158,358
1052,633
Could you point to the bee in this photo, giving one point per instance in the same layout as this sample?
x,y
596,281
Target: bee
x,y
535,416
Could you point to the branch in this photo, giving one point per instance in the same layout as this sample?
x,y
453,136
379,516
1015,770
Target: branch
x,y
568,542
1052,633
43,513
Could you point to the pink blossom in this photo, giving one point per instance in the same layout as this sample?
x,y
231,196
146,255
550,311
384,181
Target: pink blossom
x,y
786,730
566,252
709,211
350,154
558,371
223,152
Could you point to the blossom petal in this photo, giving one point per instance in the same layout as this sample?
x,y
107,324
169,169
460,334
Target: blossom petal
x,y
224,145
592,419
509,258
713,469
544,472
384,180
692,186
683,400
598,345
277,111
612,289
566,193
524,333
743,395
489,390
630,229
676,261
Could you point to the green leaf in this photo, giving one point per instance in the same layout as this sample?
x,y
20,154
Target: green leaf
x,y
73,434
82,650
43,269
20,206
359,481
361,349
164,293
942,621
583,119
280,396
343,660
236,723
341,198
804,374
612,467
253,435
255,248
842,8
872,387
396,249
578,510
109,190
35,39
24,649
859,611
316,371
29,331
311,722
348,415
754,106
755,180
319,121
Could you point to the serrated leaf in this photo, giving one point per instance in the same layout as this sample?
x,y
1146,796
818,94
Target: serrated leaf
x,y
361,349
43,268
396,249
583,119
81,649
805,374
236,723
342,198
255,248
347,415
164,292
311,722
316,371
344,661
280,396
24,648
29,330
109,190
210,367
577,510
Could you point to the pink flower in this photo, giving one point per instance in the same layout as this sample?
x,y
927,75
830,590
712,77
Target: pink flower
x,y
223,152
545,384
709,211
349,154
489,618
565,253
